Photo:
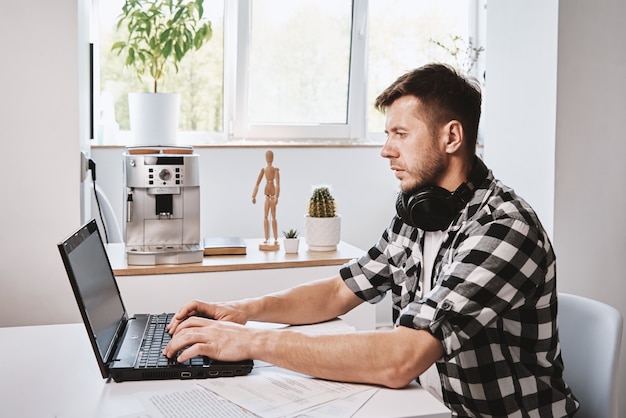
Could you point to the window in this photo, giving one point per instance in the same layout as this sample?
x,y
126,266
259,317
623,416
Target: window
x,y
294,89
200,79
291,69
404,34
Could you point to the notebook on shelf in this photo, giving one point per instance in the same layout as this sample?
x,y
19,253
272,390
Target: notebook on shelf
x,y
121,343
224,246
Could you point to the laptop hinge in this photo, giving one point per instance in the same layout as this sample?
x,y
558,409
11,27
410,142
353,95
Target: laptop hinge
x,y
129,346
116,341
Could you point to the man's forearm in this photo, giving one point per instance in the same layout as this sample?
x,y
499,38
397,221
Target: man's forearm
x,y
305,304
391,358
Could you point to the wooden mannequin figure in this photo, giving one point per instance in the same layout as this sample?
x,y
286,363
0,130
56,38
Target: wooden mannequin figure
x,y
272,192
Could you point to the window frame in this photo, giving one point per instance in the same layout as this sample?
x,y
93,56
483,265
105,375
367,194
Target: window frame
x,y
354,126
237,127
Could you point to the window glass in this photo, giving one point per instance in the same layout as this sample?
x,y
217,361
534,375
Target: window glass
x,y
299,64
405,34
199,80
290,66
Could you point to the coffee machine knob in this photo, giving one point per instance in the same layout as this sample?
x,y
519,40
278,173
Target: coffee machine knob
x,y
165,174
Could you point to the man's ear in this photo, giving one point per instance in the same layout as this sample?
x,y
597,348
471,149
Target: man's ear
x,y
453,135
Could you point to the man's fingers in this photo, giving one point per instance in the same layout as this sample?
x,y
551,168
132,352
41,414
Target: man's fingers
x,y
185,335
192,322
192,351
191,309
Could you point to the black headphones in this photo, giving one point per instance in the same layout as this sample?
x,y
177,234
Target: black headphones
x,y
433,208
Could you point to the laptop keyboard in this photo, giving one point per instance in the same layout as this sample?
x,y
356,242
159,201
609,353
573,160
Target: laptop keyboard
x,y
155,341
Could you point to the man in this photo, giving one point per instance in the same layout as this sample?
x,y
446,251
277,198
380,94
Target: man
x,y
470,268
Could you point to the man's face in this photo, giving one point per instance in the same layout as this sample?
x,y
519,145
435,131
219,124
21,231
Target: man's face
x,y
415,155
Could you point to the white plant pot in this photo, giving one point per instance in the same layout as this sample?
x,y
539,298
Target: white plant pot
x,y
154,118
322,234
291,245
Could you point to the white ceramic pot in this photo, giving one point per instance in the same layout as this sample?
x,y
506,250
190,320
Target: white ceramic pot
x,y
322,234
291,245
154,118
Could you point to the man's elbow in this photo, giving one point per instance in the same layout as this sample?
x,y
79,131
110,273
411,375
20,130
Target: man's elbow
x,y
398,377
415,351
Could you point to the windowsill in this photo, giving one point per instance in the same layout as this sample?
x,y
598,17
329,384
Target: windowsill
x,y
276,143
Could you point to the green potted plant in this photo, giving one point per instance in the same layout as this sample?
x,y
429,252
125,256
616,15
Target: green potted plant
x,y
322,223
291,234
291,241
159,34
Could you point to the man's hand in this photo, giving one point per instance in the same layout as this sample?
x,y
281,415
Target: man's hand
x,y
220,340
224,311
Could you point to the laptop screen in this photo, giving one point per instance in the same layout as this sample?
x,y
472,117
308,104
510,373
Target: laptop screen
x,y
94,285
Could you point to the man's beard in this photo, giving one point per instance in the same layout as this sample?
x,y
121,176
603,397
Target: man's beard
x,y
428,172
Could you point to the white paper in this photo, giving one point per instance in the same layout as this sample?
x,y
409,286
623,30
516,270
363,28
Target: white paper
x,y
340,408
192,402
273,394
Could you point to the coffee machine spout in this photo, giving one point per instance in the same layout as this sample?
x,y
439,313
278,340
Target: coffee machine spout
x,y
129,206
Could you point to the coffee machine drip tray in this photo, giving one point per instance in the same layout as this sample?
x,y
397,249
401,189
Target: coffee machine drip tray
x,y
150,255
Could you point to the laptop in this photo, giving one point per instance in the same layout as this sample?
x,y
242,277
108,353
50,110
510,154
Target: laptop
x,y
126,347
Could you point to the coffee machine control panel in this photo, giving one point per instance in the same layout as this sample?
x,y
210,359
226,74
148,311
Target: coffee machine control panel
x,y
166,177
162,171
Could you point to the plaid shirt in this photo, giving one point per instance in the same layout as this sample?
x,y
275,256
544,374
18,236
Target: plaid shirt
x,y
492,305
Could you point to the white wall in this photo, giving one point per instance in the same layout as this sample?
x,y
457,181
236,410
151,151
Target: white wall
x,y
520,99
363,186
556,73
39,132
590,225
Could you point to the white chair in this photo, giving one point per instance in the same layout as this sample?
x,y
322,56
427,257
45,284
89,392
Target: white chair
x,y
113,231
590,333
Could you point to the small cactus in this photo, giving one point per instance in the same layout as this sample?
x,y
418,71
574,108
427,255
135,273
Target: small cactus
x,y
322,204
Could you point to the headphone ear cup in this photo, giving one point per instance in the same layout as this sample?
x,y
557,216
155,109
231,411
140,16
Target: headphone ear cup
x,y
434,208
430,209
401,209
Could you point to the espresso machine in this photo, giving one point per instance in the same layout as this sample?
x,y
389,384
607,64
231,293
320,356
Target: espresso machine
x,y
162,194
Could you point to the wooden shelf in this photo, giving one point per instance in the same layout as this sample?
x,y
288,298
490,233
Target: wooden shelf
x,y
253,260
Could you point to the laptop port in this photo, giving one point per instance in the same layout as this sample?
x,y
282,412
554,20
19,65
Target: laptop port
x,y
185,374
227,373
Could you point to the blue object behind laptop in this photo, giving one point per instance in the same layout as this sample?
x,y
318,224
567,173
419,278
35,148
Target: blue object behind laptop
x,y
122,343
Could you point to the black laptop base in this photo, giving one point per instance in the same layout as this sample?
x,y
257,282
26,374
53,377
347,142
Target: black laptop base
x,y
214,369
127,364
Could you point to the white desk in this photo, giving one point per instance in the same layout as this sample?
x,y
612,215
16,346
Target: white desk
x,y
69,384
230,277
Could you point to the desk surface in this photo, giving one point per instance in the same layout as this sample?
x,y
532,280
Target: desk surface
x,y
68,384
255,259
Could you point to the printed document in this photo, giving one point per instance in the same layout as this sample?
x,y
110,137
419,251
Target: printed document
x,y
198,401
274,394
190,402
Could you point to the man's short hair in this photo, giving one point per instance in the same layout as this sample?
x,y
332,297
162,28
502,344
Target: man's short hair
x,y
444,95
